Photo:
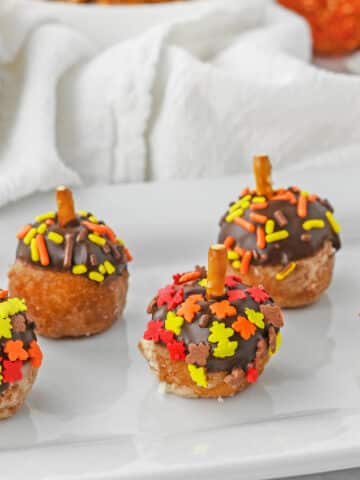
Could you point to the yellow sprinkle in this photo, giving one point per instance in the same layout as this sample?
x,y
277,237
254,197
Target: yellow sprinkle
x,y
109,267
34,251
333,223
42,228
82,213
236,213
102,269
278,344
236,265
258,200
93,219
120,241
284,273
11,307
304,194
274,237
29,236
79,269
45,216
269,226
55,237
203,282
316,223
97,277
232,255
235,206
198,375
93,237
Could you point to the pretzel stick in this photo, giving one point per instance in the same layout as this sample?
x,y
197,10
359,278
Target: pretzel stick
x,y
262,171
217,260
65,204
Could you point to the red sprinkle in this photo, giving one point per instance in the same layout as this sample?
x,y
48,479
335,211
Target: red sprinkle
x,y
234,295
252,375
232,280
177,299
165,295
258,294
176,350
153,331
12,371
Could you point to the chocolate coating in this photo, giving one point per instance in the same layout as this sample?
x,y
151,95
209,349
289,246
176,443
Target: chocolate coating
x,y
299,244
195,333
82,250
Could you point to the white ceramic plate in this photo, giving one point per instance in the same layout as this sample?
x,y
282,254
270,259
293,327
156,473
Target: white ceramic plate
x,y
95,411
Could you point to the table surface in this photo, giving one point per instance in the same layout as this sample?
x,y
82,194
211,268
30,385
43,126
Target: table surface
x,y
168,227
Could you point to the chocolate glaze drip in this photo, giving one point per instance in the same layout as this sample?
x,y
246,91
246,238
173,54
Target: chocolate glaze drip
x,y
296,246
194,333
81,251
26,336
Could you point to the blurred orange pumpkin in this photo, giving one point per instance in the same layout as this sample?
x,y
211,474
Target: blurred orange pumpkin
x,y
335,24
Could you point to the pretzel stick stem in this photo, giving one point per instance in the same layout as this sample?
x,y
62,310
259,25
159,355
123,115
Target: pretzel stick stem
x,y
217,261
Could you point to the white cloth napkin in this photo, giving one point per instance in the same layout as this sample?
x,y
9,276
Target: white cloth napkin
x,y
191,89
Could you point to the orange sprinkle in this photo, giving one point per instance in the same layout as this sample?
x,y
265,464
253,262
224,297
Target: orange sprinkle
x,y
260,238
292,198
129,257
245,224
15,350
3,294
189,276
245,191
240,251
229,242
49,221
302,207
43,251
21,233
256,217
281,196
289,196
312,197
245,264
259,206
100,229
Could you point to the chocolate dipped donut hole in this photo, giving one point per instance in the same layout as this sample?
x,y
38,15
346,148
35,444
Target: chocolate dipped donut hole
x,y
72,271
210,335
283,239
20,354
